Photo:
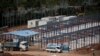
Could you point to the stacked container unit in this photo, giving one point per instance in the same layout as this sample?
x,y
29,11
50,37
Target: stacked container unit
x,y
33,23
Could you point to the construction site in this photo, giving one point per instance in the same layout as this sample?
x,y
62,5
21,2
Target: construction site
x,y
69,32
76,32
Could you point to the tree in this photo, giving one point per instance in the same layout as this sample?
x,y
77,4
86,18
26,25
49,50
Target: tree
x,y
75,2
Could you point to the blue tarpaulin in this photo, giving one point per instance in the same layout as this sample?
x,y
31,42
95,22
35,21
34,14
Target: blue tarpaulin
x,y
23,33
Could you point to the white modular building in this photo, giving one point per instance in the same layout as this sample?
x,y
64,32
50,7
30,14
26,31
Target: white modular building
x,y
48,18
33,23
59,18
68,17
36,22
41,22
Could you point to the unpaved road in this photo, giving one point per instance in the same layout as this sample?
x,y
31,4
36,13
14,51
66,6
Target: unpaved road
x,y
44,53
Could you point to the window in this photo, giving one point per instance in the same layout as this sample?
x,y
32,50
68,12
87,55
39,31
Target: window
x,y
31,23
58,48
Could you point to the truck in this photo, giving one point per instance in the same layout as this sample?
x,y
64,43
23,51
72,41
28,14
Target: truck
x,y
22,45
55,47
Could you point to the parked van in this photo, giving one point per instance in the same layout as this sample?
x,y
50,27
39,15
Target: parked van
x,y
53,47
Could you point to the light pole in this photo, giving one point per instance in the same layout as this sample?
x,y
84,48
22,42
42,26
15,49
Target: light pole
x,y
93,54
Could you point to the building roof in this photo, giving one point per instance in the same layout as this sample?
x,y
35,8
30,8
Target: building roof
x,y
34,20
24,33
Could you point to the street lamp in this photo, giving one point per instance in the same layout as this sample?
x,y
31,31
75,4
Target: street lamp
x,y
93,54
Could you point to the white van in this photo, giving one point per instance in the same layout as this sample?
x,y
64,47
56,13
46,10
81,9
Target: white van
x,y
53,47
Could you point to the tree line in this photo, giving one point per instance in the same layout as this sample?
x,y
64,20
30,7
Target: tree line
x,y
13,5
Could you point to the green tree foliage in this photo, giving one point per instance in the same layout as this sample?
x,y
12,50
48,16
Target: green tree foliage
x,y
51,2
6,3
36,3
75,2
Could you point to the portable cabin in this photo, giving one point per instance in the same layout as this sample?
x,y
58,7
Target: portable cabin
x,y
48,18
33,23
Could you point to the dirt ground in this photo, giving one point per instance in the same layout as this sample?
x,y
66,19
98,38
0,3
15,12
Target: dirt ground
x,y
8,54
43,53
35,52
17,28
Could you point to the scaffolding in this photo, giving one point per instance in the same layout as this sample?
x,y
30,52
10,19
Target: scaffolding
x,y
78,32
